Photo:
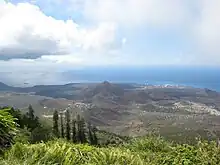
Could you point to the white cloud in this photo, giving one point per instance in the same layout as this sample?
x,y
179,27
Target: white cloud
x,y
137,12
26,31
129,13
198,20
23,36
206,30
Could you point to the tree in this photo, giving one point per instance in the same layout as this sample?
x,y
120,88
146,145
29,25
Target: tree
x,y
95,139
7,128
42,133
83,130
74,138
90,134
55,123
30,113
16,113
78,133
30,120
67,114
61,124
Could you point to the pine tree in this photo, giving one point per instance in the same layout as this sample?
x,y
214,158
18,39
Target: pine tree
x,y
55,123
30,113
95,139
78,133
83,131
37,122
90,134
67,116
32,122
61,124
74,138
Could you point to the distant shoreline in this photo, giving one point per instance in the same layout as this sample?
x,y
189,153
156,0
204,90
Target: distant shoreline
x,y
149,84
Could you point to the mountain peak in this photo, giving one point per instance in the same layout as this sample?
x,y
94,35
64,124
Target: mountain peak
x,y
106,83
4,86
104,89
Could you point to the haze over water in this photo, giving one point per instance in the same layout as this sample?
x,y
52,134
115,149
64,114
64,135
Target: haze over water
x,y
201,77
195,77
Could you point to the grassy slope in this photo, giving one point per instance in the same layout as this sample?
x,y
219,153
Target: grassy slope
x,y
151,150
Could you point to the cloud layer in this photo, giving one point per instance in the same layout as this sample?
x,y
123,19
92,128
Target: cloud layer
x,y
137,12
198,20
27,32
207,31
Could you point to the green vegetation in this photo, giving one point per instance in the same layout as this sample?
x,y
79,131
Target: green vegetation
x,y
16,126
68,131
79,132
74,139
55,123
149,151
34,142
61,125
7,128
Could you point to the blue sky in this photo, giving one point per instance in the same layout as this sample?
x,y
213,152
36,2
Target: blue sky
x,y
60,35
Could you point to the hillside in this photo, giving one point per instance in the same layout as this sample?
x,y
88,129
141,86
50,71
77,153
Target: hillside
x,y
4,87
27,140
127,109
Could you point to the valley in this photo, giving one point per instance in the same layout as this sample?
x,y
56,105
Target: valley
x,y
126,109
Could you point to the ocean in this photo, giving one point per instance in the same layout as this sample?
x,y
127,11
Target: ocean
x,y
200,77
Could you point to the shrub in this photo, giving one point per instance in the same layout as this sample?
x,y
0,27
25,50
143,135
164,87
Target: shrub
x,y
150,150
22,136
7,128
62,152
149,143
